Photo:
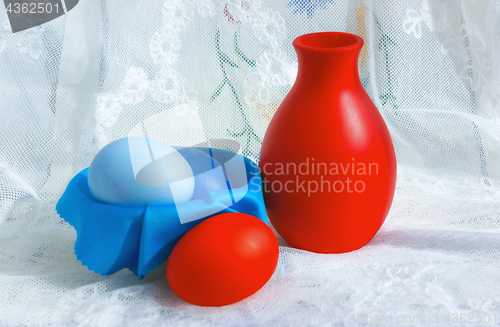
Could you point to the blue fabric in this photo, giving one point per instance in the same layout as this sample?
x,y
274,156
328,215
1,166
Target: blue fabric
x,y
110,237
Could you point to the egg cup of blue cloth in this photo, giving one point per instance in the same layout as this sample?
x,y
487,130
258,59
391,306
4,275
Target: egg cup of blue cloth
x,y
112,237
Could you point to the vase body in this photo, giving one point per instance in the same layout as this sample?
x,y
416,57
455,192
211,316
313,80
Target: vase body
x,y
327,158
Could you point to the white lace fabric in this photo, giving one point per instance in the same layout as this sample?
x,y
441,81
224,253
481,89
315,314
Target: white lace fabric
x,y
193,71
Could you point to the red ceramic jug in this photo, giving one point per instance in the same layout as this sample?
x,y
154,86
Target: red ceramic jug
x,y
327,159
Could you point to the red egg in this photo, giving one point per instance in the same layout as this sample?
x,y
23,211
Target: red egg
x,y
223,260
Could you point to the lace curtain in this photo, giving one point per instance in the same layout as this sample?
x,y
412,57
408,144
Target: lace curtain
x,y
214,72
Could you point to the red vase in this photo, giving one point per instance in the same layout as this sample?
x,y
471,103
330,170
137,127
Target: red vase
x,y
327,159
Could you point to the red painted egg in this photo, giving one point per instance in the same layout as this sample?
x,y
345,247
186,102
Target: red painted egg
x,y
223,260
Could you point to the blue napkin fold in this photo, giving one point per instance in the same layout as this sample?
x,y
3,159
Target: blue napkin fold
x,y
111,237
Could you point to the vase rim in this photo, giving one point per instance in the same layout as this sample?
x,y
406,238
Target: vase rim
x,y
328,41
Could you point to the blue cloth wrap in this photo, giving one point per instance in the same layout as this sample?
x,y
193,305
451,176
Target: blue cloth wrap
x,y
110,237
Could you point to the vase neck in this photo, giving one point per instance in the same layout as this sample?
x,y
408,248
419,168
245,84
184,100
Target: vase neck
x,y
328,59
